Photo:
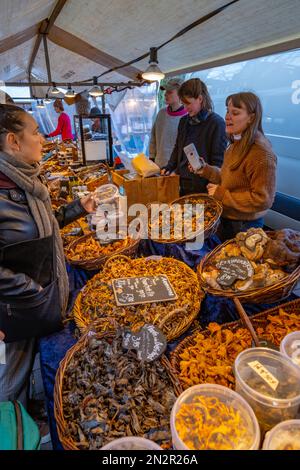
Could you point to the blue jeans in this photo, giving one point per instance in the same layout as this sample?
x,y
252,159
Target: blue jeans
x,y
229,228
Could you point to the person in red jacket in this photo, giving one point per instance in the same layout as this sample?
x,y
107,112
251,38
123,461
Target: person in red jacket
x,y
64,127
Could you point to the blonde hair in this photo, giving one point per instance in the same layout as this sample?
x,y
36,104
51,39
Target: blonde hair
x,y
253,106
194,88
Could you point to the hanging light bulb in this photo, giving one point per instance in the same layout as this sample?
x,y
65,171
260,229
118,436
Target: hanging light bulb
x,y
96,90
54,90
153,72
70,93
47,99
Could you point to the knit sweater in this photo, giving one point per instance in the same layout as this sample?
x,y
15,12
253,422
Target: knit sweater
x,y
246,186
163,134
63,127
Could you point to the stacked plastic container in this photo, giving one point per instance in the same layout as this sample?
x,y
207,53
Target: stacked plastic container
x,y
270,383
230,402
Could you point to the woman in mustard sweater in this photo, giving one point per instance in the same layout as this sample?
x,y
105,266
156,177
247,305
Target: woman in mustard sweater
x,y
246,182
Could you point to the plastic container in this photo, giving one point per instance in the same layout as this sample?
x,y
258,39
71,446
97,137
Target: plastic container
x,y
106,194
290,347
284,436
248,436
131,443
270,382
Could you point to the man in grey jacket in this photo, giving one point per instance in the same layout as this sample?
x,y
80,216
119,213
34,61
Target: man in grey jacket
x,y
164,130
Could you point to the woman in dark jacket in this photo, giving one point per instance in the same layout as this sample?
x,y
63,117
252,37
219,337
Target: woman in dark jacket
x,y
33,279
201,127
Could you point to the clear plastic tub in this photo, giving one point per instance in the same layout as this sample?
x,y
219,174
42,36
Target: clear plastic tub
x,y
284,436
106,194
131,443
213,417
290,347
270,383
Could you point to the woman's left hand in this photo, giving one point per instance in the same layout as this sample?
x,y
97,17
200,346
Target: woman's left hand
x,y
88,203
211,188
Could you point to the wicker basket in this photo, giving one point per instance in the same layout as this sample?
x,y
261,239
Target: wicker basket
x,y
209,230
62,424
168,324
96,263
273,293
260,320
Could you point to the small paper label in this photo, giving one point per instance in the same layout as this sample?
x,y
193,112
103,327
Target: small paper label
x,y
2,353
264,373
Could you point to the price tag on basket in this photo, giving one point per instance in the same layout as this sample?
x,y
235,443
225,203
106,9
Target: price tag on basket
x,y
233,268
149,342
142,290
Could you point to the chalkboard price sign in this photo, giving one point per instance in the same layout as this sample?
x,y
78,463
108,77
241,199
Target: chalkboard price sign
x,y
149,342
233,268
142,290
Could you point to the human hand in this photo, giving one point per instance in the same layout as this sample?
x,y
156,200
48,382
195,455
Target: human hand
x,y
164,172
200,171
88,203
211,188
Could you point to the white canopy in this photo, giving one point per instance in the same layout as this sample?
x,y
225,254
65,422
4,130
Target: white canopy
x,y
90,36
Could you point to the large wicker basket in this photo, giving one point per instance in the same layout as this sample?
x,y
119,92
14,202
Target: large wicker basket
x,y
62,424
211,227
273,293
168,324
260,320
129,249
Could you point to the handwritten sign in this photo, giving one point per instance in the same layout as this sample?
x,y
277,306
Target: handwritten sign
x,y
264,373
142,290
233,268
149,342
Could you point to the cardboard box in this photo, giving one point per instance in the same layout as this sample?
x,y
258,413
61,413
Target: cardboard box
x,y
146,190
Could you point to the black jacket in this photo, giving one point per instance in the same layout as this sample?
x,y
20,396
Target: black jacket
x,y
210,140
17,225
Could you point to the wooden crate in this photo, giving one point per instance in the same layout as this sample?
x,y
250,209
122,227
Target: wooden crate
x,y
146,190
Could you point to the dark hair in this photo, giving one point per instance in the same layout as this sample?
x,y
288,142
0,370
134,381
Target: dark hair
x,y
194,88
58,104
253,106
94,111
11,120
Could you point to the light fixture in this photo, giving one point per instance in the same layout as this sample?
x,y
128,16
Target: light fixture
x,y
153,72
47,99
40,104
54,90
96,90
70,93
